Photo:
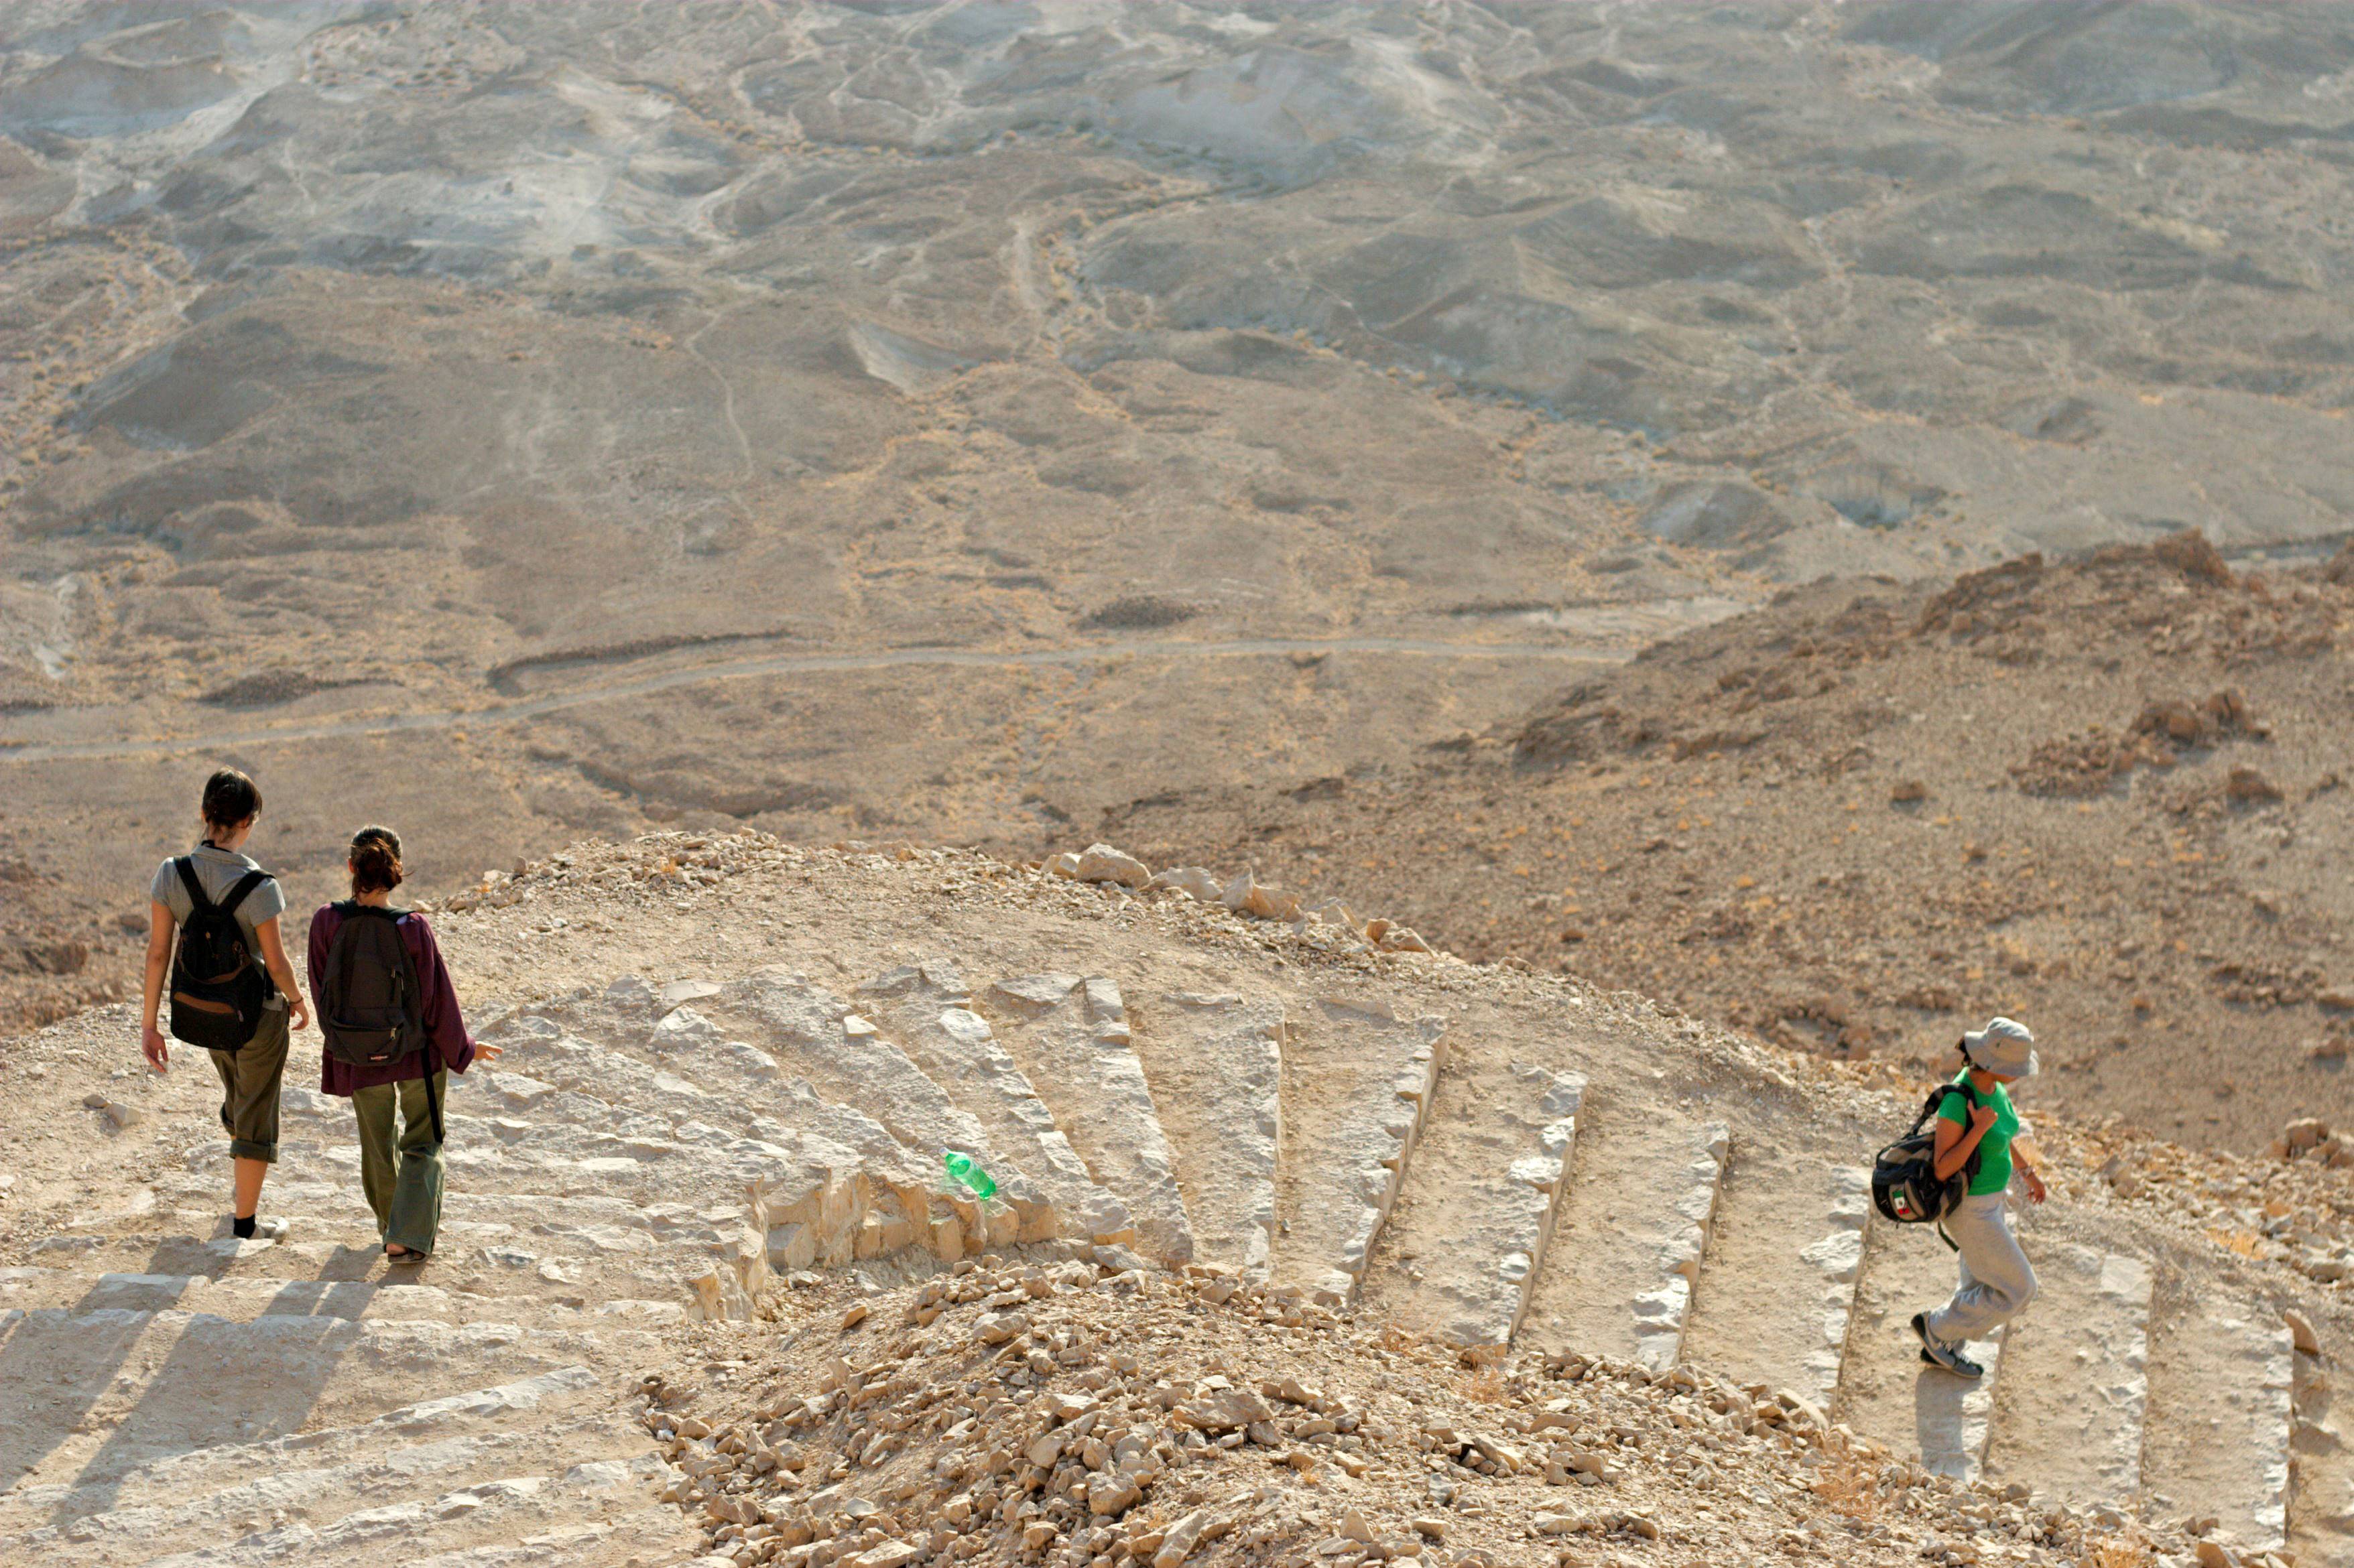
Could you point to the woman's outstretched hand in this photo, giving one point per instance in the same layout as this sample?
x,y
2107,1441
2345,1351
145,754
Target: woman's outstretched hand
x,y
484,1053
2036,1190
154,1047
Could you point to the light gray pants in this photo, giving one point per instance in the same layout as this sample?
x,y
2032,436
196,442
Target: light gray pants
x,y
1996,1280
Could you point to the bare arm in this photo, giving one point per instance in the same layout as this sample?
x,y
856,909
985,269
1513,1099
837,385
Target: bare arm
x,y
152,1042
1955,1144
273,954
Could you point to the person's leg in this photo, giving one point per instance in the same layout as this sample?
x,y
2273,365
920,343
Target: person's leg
x,y
373,1110
416,1215
250,1081
1997,1281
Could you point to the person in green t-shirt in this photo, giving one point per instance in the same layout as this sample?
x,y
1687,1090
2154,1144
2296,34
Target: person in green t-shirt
x,y
1975,1129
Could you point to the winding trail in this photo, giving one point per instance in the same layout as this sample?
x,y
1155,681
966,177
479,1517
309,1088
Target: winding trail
x,y
790,663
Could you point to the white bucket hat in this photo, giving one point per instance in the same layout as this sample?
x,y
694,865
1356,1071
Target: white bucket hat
x,y
2003,1047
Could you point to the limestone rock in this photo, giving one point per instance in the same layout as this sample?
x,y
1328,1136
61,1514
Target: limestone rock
x,y
1101,862
1190,879
1245,895
1224,1410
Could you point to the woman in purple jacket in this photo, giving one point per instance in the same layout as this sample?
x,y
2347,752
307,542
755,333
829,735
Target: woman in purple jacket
x,y
400,1165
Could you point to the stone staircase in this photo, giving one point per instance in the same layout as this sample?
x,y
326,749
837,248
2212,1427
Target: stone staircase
x,y
643,1155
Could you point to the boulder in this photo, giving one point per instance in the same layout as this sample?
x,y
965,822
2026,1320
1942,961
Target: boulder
x,y
1192,879
1245,895
1101,862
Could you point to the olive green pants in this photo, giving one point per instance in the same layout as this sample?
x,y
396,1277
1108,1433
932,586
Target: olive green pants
x,y
251,1077
400,1166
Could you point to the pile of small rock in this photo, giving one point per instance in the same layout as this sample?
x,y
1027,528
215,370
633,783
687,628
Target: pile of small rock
x,y
1077,1410
1243,894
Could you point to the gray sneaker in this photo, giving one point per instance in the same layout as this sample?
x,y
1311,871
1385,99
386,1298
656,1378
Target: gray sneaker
x,y
1937,1353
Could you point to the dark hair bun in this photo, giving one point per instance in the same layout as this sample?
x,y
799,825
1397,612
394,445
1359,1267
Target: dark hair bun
x,y
230,798
376,861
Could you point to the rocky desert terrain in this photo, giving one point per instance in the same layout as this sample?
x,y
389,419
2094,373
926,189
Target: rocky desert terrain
x,y
952,420
2109,797
1305,1249
1615,573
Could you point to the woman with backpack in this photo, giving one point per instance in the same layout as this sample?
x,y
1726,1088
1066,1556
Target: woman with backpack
x,y
1974,1136
232,990
394,1036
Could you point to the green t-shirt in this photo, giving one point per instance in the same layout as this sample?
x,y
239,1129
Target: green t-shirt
x,y
1994,1149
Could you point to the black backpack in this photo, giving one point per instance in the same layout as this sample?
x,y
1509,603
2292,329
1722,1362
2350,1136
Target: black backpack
x,y
371,1010
217,985
1904,1185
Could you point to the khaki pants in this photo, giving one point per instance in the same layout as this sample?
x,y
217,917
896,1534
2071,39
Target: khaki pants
x,y
400,1166
250,1084
1998,1282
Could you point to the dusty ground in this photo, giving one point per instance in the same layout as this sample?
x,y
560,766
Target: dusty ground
x,y
1713,1466
2108,798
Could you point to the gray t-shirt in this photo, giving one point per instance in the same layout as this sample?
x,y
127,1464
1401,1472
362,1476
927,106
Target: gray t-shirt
x,y
218,870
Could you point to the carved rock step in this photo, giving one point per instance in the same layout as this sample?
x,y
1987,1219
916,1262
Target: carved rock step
x,y
887,1199
2220,1376
1784,1256
567,1397
93,1393
1462,1250
507,1520
1885,1390
598,1456
1628,1246
518,1246
812,1034
2321,1508
2075,1391
1071,1035
929,1010
1215,1063
240,1297
1357,1087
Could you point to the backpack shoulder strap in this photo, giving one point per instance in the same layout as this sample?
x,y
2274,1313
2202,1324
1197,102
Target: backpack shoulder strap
x,y
245,884
197,896
412,994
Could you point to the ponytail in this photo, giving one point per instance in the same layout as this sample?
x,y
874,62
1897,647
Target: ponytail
x,y
376,861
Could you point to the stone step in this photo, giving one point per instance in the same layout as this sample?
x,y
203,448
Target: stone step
x,y
535,1246
1070,1033
597,1452
2321,1503
567,1396
494,1514
1775,1300
928,1012
891,1199
1462,1250
1214,1063
1885,1390
94,1393
2221,1376
1357,1085
650,1538
1633,1229
2075,1391
815,1035
399,1294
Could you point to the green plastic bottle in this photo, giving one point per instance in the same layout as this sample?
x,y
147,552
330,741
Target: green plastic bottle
x,y
964,1168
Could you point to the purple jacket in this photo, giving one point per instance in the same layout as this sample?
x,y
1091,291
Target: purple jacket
x,y
443,1026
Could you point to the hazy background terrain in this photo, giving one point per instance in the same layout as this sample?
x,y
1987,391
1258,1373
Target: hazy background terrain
x,y
961,421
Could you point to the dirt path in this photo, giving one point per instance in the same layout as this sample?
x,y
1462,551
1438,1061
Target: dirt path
x,y
788,664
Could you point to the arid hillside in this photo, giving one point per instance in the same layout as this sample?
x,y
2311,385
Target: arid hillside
x,y
946,421
2112,797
